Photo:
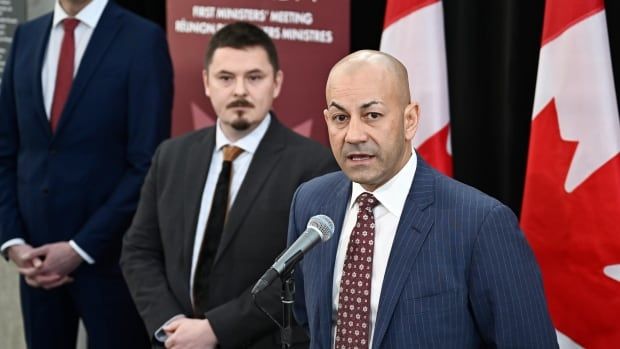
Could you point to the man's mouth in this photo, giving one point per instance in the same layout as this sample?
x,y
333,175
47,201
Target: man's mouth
x,y
359,157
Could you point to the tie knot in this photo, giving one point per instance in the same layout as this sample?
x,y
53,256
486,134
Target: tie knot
x,y
367,201
231,152
69,24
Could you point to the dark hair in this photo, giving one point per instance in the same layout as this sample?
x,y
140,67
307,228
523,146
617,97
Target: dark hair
x,y
242,35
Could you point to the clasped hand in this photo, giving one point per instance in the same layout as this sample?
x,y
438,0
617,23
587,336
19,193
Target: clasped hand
x,y
47,266
185,333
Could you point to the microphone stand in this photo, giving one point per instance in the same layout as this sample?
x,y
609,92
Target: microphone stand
x,y
288,298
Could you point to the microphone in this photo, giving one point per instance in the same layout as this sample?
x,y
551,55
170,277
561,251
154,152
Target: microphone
x,y
319,228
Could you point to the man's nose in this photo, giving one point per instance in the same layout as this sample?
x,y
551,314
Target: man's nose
x,y
356,131
240,87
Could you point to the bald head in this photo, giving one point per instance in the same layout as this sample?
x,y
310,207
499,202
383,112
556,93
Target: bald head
x,y
370,119
382,64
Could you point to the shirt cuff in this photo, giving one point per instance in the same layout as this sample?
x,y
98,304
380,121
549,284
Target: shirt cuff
x,y
85,256
160,335
5,246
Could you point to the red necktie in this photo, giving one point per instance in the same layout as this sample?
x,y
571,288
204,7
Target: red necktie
x,y
64,74
353,325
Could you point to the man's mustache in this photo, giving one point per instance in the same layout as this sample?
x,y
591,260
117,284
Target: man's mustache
x,y
363,148
242,102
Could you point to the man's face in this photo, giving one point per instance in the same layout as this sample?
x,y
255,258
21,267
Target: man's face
x,y
370,128
242,85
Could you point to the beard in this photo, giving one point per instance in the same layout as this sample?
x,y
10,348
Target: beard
x,y
240,124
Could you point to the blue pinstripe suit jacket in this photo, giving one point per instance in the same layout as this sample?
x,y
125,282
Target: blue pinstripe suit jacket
x,y
460,273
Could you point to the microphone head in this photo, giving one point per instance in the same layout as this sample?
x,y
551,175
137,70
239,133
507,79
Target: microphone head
x,y
323,224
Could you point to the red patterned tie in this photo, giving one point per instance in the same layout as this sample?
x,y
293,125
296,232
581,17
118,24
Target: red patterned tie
x,y
64,74
353,325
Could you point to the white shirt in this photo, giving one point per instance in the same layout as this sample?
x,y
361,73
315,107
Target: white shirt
x,y
392,196
240,166
89,17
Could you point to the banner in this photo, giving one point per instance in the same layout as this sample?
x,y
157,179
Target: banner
x,y
414,34
571,205
310,35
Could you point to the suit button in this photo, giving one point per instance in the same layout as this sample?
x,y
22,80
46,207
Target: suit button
x,y
53,151
45,191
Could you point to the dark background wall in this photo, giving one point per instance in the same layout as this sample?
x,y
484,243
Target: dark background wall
x,y
492,50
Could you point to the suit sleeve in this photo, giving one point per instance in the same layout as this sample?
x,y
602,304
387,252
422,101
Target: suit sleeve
x,y
11,225
294,230
142,259
230,321
148,123
506,290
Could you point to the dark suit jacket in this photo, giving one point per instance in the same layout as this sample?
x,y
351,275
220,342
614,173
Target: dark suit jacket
x,y
157,251
83,181
460,273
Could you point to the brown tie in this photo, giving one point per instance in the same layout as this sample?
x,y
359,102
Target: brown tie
x,y
353,324
213,230
231,152
64,72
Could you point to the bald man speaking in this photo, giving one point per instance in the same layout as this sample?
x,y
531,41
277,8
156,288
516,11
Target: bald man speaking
x,y
417,260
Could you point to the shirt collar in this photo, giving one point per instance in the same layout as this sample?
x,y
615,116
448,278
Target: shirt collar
x,y
249,143
393,194
89,15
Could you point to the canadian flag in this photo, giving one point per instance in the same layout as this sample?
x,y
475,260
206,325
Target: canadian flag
x,y
571,204
414,34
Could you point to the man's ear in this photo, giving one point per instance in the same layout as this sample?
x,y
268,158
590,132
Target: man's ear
x,y
205,81
279,80
326,116
411,120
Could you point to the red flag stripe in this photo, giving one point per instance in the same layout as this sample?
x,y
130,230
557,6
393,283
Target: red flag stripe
x,y
435,152
396,10
563,14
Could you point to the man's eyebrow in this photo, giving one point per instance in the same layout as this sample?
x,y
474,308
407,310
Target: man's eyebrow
x,y
254,71
363,106
336,105
369,104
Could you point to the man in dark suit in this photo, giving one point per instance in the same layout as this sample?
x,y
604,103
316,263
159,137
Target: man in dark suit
x,y
190,276
85,100
418,260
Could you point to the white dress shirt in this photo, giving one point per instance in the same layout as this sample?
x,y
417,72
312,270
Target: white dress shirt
x,y
240,166
89,17
391,196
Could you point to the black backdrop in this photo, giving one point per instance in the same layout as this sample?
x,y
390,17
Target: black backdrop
x,y
492,54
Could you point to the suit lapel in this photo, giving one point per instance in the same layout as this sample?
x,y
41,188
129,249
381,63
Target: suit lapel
x,y
413,228
264,161
43,39
196,169
335,208
108,27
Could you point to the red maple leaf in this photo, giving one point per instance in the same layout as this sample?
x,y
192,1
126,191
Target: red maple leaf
x,y
574,236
